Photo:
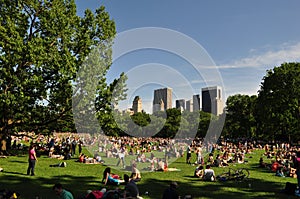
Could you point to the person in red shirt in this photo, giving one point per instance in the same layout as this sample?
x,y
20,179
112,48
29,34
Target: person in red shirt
x,y
31,160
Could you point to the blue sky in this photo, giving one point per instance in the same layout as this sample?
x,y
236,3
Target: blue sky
x,y
242,38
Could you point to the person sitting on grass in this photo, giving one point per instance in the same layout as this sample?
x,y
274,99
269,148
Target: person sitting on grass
x,y
279,172
81,158
61,192
275,165
209,174
160,165
210,158
109,178
136,174
199,172
131,189
217,161
262,164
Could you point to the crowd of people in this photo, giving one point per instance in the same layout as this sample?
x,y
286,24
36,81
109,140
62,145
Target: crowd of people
x,y
282,159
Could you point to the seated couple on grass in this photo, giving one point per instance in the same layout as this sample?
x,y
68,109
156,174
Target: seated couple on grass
x,y
207,174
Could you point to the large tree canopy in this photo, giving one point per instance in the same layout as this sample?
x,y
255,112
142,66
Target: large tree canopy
x,y
42,45
278,103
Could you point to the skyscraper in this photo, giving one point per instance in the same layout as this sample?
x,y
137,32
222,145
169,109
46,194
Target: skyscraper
x,y
137,104
180,104
162,96
189,105
212,100
196,103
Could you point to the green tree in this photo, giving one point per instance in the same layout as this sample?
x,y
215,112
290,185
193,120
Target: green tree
x,y
108,96
278,103
205,120
172,122
42,44
240,116
141,119
189,124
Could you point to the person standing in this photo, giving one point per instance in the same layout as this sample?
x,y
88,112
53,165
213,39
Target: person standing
x,y
31,160
121,154
199,155
80,143
189,154
73,144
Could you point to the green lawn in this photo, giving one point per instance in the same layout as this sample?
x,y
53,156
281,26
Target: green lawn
x,y
80,177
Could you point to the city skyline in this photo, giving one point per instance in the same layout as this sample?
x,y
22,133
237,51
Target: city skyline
x,y
165,94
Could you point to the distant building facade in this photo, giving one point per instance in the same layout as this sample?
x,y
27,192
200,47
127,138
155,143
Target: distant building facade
x,y
137,104
162,99
196,103
189,105
212,100
180,104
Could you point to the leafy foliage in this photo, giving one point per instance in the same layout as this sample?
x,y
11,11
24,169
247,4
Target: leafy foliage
x,y
240,115
42,44
278,103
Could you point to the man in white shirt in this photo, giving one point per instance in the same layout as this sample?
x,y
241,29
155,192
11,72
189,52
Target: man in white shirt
x,y
209,174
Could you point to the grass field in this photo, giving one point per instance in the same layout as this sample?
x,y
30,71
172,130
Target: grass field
x,y
79,178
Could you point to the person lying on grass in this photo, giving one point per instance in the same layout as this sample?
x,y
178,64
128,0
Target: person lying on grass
x,y
110,178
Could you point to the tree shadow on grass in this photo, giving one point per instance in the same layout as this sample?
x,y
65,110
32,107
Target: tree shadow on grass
x,y
154,184
231,189
17,161
32,186
16,173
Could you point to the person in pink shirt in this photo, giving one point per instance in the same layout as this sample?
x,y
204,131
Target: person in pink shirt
x,y
31,160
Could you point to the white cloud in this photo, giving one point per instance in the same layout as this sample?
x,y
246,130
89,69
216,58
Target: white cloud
x,y
285,53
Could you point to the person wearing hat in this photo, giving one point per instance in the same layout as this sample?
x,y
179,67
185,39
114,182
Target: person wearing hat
x,y
171,192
